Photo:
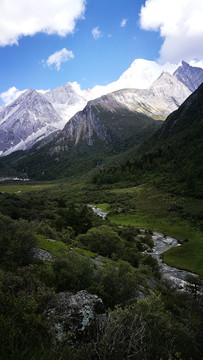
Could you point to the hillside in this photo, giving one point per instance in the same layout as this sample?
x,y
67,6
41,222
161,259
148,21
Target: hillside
x,y
172,157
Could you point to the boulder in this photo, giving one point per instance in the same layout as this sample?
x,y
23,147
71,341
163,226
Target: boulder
x,y
41,254
74,313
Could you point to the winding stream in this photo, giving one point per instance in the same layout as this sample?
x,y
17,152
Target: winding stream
x,y
175,277
98,211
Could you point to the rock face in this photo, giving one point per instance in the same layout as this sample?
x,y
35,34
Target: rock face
x,y
26,120
74,313
42,254
162,97
122,114
190,76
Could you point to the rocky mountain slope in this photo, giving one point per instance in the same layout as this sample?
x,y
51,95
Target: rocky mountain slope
x,y
26,120
67,100
34,115
190,76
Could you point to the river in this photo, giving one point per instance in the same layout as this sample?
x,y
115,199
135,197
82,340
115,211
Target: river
x,y
176,278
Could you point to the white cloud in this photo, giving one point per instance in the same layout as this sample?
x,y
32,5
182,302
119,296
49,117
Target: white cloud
x,y
10,95
27,17
179,23
96,33
197,63
58,57
123,22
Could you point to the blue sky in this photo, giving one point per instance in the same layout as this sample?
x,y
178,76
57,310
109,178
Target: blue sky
x,y
97,39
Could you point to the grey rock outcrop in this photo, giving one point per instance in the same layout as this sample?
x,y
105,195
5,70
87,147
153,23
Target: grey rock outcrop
x,y
190,76
74,314
64,94
42,254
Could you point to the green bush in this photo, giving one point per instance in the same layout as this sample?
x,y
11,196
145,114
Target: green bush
x,y
147,331
151,263
16,241
73,273
23,324
102,240
115,283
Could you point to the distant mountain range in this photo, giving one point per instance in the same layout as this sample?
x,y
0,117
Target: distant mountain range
x,y
35,115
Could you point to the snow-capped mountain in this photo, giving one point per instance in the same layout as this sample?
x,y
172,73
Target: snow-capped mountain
x,y
26,120
67,100
36,114
140,75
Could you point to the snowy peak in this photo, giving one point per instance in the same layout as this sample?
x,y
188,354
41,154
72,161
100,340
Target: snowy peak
x,y
66,100
190,76
26,120
66,94
140,75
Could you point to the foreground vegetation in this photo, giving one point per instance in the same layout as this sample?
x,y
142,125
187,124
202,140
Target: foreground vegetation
x,y
106,258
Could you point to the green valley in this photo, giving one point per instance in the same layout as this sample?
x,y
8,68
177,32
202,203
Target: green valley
x,y
125,285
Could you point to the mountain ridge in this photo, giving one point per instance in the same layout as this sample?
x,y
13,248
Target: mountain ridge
x,y
59,105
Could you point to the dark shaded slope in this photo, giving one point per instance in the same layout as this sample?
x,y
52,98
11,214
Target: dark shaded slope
x,y
172,157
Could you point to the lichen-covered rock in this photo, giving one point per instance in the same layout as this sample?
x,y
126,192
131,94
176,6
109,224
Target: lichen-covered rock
x,y
41,254
74,313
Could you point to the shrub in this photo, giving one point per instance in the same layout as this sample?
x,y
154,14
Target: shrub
x,y
103,240
16,241
73,273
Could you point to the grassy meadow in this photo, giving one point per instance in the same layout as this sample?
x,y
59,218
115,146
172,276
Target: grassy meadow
x,y
22,188
175,216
